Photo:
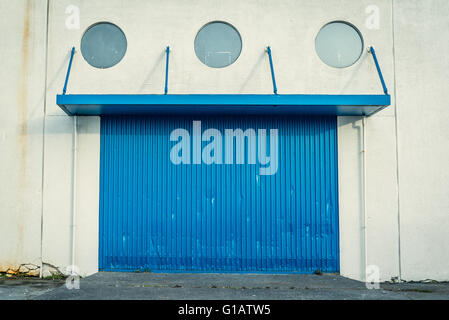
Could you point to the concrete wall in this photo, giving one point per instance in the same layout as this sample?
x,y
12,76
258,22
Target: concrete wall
x,y
375,202
22,90
421,49
367,157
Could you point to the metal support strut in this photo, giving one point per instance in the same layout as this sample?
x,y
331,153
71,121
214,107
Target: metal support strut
x,y
166,69
373,52
275,90
64,90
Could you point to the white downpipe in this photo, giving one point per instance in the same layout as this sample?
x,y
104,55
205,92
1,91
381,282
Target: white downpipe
x,y
44,122
364,195
74,186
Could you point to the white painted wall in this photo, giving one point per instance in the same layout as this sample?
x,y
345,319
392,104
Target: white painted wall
x,y
22,92
422,79
368,230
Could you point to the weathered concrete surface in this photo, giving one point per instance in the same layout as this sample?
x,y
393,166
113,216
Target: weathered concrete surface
x,y
111,285
22,92
422,116
25,288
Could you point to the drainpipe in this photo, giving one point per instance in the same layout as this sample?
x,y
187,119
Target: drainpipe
x,y
364,196
41,270
74,195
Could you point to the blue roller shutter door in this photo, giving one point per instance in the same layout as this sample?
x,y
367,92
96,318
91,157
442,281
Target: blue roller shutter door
x,y
160,215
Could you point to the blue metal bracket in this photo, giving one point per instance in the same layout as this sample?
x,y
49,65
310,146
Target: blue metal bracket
x,y
373,52
275,90
64,90
167,55
320,104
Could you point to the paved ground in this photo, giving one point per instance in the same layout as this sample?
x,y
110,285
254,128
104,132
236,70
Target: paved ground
x,y
26,288
111,285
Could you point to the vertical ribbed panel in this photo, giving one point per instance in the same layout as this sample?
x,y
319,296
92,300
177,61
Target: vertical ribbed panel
x,y
158,216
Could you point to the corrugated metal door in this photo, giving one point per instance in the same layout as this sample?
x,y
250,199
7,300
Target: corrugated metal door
x,y
165,207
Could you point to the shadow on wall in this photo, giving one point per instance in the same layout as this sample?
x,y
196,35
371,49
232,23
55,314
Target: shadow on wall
x,y
354,73
355,123
61,69
263,58
158,65
35,123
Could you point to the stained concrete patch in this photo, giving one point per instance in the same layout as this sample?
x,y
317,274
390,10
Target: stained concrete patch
x,y
25,288
420,290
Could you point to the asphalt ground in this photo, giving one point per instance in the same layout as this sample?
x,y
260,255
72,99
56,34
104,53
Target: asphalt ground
x,y
197,286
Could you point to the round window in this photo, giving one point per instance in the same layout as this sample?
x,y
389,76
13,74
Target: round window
x,y
339,44
218,44
103,45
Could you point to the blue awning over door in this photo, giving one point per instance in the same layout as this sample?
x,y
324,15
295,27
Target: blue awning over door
x,y
122,104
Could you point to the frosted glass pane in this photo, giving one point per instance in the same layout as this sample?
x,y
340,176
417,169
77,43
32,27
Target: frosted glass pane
x,y
218,44
339,44
103,45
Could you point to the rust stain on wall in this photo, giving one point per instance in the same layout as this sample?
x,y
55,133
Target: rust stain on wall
x,y
22,101
22,92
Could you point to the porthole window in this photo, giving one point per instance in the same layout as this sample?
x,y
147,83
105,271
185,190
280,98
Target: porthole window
x,y
339,44
103,45
218,44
